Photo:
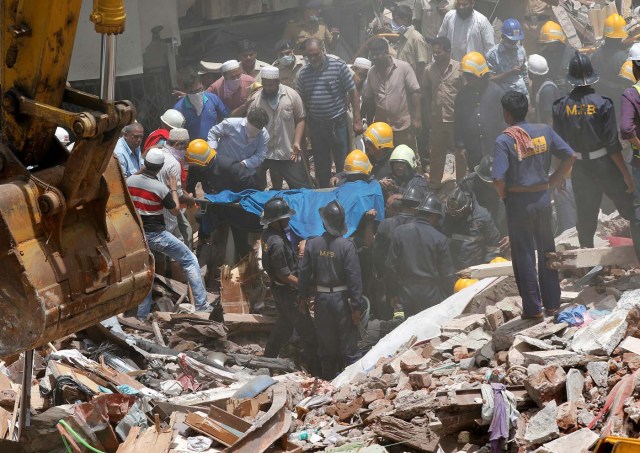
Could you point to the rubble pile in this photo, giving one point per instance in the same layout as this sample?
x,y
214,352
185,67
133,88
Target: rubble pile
x,y
440,382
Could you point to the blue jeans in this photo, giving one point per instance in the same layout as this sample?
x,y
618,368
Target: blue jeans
x,y
165,242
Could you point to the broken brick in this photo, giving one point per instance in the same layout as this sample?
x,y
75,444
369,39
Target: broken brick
x,y
494,317
344,411
371,396
546,385
567,417
420,379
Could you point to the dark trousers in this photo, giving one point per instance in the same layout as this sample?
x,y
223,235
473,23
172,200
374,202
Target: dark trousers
x,y
337,335
295,173
289,318
530,230
590,179
328,138
418,296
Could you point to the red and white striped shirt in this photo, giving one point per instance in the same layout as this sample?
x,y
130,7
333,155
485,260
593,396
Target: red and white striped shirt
x,y
149,197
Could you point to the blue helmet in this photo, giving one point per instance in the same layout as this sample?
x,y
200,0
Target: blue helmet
x,y
511,29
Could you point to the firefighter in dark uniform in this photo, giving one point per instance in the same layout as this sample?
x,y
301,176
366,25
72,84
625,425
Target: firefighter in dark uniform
x,y
409,201
280,262
474,237
587,122
480,184
419,262
330,266
521,163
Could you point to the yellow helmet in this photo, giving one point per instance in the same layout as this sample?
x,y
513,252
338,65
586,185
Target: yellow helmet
x,y
614,27
499,259
357,162
551,32
199,153
474,63
626,71
462,283
380,134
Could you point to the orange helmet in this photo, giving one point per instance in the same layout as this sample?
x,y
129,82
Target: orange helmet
x,y
474,63
357,162
462,283
380,134
199,153
551,32
614,27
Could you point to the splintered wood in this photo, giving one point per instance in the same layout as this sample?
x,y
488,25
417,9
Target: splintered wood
x,y
238,283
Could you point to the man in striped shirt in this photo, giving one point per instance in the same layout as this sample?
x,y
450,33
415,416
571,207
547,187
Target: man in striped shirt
x,y
326,87
149,197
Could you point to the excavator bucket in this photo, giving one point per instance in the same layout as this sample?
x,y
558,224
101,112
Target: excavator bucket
x,y
72,247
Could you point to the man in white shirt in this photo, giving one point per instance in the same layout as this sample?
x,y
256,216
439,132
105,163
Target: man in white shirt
x,y
467,29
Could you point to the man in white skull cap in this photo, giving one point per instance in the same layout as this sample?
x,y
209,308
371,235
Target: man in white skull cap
x,y
360,69
286,114
234,86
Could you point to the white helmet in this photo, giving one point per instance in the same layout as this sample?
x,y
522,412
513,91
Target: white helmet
x,y
538,64
63,136
634,52
173,118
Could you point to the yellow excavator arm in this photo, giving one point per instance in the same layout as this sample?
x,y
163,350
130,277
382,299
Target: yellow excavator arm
x,y
72,247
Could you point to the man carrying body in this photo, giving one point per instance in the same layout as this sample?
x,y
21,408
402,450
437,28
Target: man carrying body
x,y
325,84
521,163
419,263
280,262
242,139
330,264
392,94
216,173
587,121
150,196
127,149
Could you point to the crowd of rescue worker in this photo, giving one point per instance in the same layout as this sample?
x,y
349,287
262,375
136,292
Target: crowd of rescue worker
x,y
534,127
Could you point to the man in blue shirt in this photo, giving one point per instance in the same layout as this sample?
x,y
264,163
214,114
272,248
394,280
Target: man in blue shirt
x,y
201,110
521,163
242,139
508,59
127,149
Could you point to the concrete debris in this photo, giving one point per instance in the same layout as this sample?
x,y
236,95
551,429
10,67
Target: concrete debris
x,y
420,386
543,427
578,441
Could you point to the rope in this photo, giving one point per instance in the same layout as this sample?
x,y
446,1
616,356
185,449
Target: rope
x,y
78,438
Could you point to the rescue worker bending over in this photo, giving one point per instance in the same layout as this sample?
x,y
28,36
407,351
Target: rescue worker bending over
x,y
330,264
480,184
521,163
280,262
419,263
474,237
404,164
409,201
587,122
357,167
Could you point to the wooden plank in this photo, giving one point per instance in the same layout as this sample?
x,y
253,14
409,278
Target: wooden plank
x,y
569,30
215,429
419,437
133,323
581,258
487,270
157,333
150,440
241,323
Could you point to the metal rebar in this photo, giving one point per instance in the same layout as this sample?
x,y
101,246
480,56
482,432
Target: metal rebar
x,y
25,400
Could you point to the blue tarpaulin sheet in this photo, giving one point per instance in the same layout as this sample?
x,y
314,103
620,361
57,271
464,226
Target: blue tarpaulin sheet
x,y
356,197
